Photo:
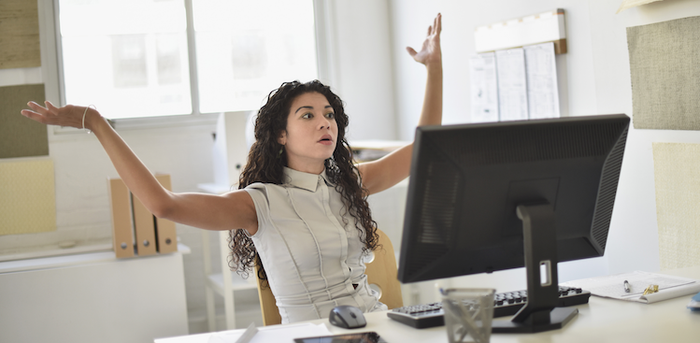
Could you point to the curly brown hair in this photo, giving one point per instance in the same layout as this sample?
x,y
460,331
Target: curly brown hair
x,y
266,164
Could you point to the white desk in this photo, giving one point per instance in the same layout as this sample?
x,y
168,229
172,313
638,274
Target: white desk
x,y
599,321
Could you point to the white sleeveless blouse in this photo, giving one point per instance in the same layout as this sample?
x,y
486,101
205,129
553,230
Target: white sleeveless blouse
x,y
311,257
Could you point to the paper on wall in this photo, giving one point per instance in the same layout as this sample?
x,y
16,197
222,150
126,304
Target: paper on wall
x,y
512,84
542,91
484,88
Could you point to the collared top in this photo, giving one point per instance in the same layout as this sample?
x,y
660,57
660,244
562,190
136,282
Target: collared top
x,y
310,247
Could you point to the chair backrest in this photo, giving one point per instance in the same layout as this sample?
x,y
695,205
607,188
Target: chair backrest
x,y
268,305
381,275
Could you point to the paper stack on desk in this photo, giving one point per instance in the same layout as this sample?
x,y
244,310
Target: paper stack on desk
x,y
277,333
612,286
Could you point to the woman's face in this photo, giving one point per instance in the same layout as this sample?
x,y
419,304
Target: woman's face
x,y
311,134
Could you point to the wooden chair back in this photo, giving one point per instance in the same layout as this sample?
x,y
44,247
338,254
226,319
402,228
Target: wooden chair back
x,y
268,304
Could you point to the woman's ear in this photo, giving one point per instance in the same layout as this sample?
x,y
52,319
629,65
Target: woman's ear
x,y
282,139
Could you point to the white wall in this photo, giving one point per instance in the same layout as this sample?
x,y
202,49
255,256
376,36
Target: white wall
x,y
594,78
361,67
383,89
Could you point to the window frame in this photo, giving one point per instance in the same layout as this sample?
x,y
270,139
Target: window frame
x,y
53,74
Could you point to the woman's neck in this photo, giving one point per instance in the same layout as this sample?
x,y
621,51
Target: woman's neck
x,y
307,167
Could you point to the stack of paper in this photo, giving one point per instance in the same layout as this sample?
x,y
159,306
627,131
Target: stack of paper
x,y
275,333
612,286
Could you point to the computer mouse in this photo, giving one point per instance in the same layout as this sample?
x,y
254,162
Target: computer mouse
x,y
347,317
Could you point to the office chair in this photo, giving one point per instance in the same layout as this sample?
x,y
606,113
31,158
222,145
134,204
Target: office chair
x,y
381,275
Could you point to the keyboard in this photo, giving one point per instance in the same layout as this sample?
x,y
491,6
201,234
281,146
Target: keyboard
x,y
505,304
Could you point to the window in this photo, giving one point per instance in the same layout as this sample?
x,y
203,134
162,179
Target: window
x,y
133,58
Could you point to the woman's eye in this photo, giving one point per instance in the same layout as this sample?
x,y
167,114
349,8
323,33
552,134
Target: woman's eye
x,y
306,116
330,115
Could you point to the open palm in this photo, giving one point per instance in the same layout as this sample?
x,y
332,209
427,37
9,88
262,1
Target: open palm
x,y
430,51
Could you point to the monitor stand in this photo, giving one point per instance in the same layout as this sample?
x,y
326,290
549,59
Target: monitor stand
x,y
541,312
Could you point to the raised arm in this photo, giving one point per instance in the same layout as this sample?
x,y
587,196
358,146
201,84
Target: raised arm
x,y
391,169
213,212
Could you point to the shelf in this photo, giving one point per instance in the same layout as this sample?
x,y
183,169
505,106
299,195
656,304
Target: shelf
x,y
54,250
60,261
216,282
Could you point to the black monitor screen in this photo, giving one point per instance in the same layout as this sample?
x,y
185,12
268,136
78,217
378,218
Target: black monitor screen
x,y
467,180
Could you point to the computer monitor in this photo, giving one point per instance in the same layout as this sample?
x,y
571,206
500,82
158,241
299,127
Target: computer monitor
x,y
495,196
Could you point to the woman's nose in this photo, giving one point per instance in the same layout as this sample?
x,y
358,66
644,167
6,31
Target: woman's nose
x,y
325,123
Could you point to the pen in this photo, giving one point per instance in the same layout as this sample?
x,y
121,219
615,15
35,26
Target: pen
x,y
626,285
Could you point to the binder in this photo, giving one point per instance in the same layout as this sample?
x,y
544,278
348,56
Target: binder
x,y
166,237
144,229
122,234
135,230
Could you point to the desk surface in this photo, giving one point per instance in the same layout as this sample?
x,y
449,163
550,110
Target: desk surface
x,y
601,320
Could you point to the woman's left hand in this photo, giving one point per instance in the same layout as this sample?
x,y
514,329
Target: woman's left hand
x,y
69,115
430,52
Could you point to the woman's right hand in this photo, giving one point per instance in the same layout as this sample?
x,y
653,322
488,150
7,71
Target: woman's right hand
x,y
69,115
430,52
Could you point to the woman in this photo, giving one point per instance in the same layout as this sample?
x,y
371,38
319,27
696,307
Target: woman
x,y
302,204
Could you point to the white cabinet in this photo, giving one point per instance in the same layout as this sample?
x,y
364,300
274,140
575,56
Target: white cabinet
x,y
93,297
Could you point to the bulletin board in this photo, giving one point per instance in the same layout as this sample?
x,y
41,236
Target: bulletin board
x,y
677,184
19,34
20,136
27,196
665,71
